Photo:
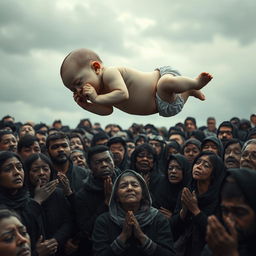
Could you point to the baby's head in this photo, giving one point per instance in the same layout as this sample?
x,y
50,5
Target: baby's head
x,y
79,67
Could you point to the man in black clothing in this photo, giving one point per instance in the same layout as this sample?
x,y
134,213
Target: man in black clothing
x,y
93,198
58,148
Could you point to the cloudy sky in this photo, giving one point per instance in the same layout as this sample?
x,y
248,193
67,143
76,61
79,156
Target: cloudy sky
x,y
197,35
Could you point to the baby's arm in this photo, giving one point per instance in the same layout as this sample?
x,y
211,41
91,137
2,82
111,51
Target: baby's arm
x,y
95,108
114,82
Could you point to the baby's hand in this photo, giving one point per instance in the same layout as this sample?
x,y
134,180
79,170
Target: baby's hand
x,y
89,92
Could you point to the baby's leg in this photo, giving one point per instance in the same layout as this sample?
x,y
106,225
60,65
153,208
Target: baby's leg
x,y
168,86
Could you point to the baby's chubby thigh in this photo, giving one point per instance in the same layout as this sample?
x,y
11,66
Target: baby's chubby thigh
x,y
166,88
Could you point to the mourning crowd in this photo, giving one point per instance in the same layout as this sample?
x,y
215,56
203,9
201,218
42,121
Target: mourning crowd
x,y
147,190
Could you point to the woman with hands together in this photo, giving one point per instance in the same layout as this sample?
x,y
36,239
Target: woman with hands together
x,y
197,201
132,226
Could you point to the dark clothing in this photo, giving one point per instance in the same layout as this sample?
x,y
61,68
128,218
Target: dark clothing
x,y
57,219
217,142
106,231
77,176
190,232
89,204
29,210
172,191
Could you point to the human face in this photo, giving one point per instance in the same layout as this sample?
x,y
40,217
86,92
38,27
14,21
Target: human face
x,y
75,75
242,215
211,125
14,239
202,169
175,173
210,146
26,129
232,156
129,192
59,151
156,145
102,165
190,126
130,147
39,172
41,139
8,143
178,138
12,174
225,132
191,151
75,143
78,159
25,152
102,142
248,157
144,161
118,152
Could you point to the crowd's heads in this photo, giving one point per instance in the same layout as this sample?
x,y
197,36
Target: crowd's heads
x,y
8,141
39,169
226,131
11,171
100,161
238,201
191,149
248,157
117,146
28,145
14,238
25,129
58,147
144,158
190,124
232,153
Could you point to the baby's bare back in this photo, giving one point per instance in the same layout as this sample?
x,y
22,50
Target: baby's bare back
x,y
142,91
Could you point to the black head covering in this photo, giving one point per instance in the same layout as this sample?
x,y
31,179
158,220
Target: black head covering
x,y
216,141
210,200
146,212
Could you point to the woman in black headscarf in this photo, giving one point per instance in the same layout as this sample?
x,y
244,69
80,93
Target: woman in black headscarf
x,y
15,196
56,210
132,226
199,200
177,175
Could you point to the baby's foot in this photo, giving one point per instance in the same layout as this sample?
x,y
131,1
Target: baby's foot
x,y
202,80
197,94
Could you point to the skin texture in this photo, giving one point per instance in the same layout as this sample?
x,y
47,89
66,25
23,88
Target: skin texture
x,y
210,146
98,88
12,174
25,152
14,239
248,157
225,132
175,174
191,151
75,143
26,129
240,221
232,156
8,142
78,159
118,152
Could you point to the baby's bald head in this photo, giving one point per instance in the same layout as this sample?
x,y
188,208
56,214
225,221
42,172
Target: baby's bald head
x,y
75,60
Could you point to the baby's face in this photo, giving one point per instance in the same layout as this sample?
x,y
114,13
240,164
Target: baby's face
x,y
75,76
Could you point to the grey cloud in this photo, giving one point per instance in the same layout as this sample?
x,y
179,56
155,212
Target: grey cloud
x,y
40,25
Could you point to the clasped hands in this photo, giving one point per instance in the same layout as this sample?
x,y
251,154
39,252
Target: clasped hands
x,y
131,227
189,202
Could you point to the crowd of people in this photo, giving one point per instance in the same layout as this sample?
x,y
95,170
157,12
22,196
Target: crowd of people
x,y
145,190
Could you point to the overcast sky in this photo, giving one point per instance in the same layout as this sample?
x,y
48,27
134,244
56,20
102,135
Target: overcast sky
x,y
193,36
